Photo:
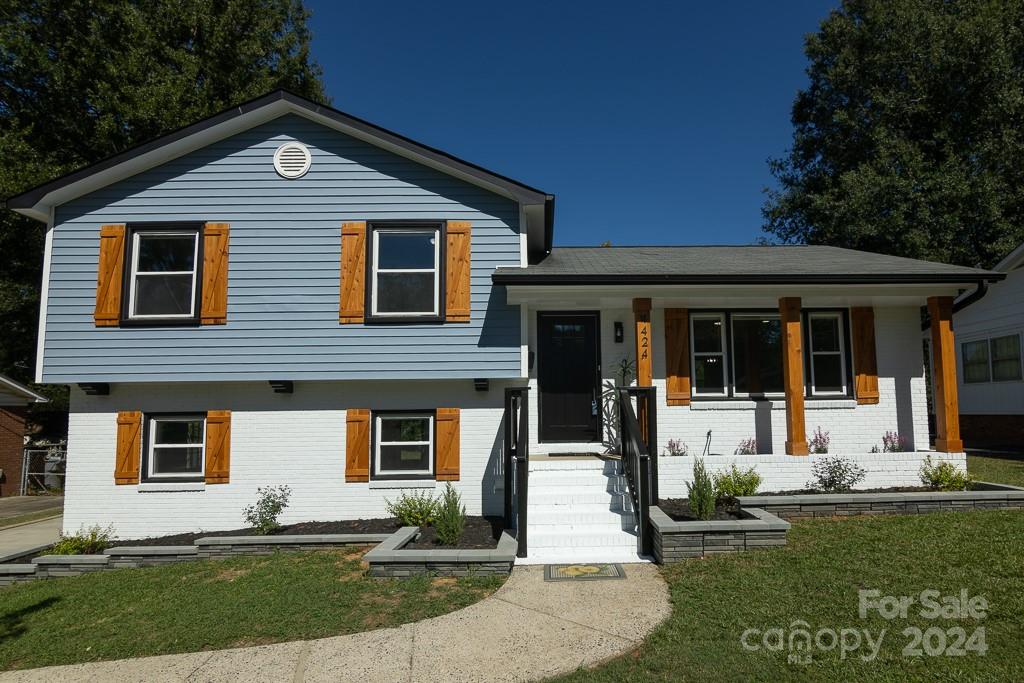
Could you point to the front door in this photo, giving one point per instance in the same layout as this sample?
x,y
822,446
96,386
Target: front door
x,y
569,377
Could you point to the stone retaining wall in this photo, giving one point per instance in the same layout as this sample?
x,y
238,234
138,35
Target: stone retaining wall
x,y
391,559
675,541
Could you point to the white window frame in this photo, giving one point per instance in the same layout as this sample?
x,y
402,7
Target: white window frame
x,y
811,353
987,343
152,444
378,442
436,270
694,354
135,274
732,350
992,359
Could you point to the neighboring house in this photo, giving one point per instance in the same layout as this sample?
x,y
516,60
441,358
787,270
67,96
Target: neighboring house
x,y
14,398
991,381
285,294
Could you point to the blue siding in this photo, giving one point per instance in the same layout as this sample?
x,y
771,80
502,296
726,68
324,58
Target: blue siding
x,y
283,277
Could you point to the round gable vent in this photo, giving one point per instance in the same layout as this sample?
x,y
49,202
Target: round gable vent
x,y
292,160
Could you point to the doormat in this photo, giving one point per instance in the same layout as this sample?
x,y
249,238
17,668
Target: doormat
x,y
583,572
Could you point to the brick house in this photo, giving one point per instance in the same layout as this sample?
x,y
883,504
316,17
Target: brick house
x,y
13,401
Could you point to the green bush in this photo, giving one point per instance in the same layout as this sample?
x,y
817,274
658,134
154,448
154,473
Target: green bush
x,y
835,475
270,503
734,482
450,520
944,476
413,509
91,541
701,492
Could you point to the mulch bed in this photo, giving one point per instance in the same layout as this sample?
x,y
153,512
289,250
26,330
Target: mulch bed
x,y
891,489
679,510
480,533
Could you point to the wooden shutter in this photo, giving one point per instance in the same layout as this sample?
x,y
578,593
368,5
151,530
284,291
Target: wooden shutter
x,y
357,444
865,362
214,299
109,276
353,272
457,267
448,439
129,446
218,446
677,356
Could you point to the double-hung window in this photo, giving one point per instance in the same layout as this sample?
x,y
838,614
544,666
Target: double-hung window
x,y
708,334
405,271
757,355
164,273
992,360
176,447
404,445
827,354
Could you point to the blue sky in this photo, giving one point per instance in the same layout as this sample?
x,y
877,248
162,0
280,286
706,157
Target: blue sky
x,y
652,123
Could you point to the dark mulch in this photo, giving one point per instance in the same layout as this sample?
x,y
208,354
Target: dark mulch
x,y
352,526
679,510
480,533
891,489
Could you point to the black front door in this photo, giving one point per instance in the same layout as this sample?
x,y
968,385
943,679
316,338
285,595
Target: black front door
x,y
569,377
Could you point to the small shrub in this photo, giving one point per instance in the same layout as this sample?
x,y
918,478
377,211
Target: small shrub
x,y
270,503
91,541
701,492
876,449
747,447
944,476
676,447
734,482
414,509
819,441
450,521
835,475
892,442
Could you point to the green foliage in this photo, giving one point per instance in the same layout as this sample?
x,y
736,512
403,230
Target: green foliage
x,y
819,441
908,139
81,81
945,476
87,541
701,492
835,475
450,520
414,509
270,503
734,482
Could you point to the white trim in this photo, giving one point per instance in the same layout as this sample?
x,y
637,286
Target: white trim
x,y
378,442
20,389
44,296
171,486
375,270
720,317
307,160
151,438
134,273
524,341
841,332
403,484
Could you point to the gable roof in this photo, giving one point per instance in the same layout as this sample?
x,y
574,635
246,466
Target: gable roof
x,y
12,393
1011,261
725,265
38,201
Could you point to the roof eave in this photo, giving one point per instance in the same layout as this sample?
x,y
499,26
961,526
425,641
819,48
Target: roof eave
x,y
524,278
10,386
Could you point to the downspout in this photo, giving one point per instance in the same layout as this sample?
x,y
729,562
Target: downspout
x,y
961,303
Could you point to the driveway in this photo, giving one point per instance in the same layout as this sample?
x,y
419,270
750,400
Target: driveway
x,y
15,506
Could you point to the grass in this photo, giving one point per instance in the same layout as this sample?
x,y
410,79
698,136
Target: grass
x,y
816,579
39,515
194,606
1000,468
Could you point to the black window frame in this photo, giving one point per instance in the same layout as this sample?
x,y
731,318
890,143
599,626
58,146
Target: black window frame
x,y
847,340
144,476
374,440
132,229
442,235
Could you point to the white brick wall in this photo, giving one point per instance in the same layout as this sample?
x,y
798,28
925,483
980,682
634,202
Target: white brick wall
x,y
296,439
789,473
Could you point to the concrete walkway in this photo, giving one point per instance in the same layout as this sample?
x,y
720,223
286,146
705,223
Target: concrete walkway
x,y
528,630
31,535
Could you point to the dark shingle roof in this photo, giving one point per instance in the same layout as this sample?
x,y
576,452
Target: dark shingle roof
x,y
783,264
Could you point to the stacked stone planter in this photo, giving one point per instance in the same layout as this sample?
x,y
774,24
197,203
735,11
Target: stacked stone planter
x,y
675,541
391,559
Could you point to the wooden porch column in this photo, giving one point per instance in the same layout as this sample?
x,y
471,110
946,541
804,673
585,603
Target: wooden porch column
x,y
642,314
793,375
947,408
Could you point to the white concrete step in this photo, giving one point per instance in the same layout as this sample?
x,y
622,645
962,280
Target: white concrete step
x,y
591,538
598,555
575,478
578,514
607,466
570,496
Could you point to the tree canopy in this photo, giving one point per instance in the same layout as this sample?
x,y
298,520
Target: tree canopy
x,y
81,80
909,138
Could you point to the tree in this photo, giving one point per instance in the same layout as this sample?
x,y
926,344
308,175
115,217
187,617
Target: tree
x,y
81,80
909,139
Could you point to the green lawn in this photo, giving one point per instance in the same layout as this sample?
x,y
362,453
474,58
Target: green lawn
x,y
209,605
1000,468
817,578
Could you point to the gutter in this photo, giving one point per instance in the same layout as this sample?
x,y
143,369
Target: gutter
x,y
960,303
518,277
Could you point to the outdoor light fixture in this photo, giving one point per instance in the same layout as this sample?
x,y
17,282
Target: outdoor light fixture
x,y
618,333
95,388
282,386
481,384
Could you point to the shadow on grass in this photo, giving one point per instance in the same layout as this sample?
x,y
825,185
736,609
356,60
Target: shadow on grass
x,y
11,625
998,455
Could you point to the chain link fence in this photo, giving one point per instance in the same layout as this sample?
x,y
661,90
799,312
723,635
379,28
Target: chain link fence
x,y
42,470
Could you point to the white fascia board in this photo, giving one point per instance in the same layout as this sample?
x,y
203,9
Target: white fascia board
x,y
44,296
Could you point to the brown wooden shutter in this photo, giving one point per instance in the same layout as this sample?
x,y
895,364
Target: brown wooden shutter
x,y
865,362
357,444
448,439
457,270
109,276
353,272
218,446
214,299
677,356
129,446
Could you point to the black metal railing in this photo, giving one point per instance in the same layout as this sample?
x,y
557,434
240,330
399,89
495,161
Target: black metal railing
x,y
639,450
516,462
